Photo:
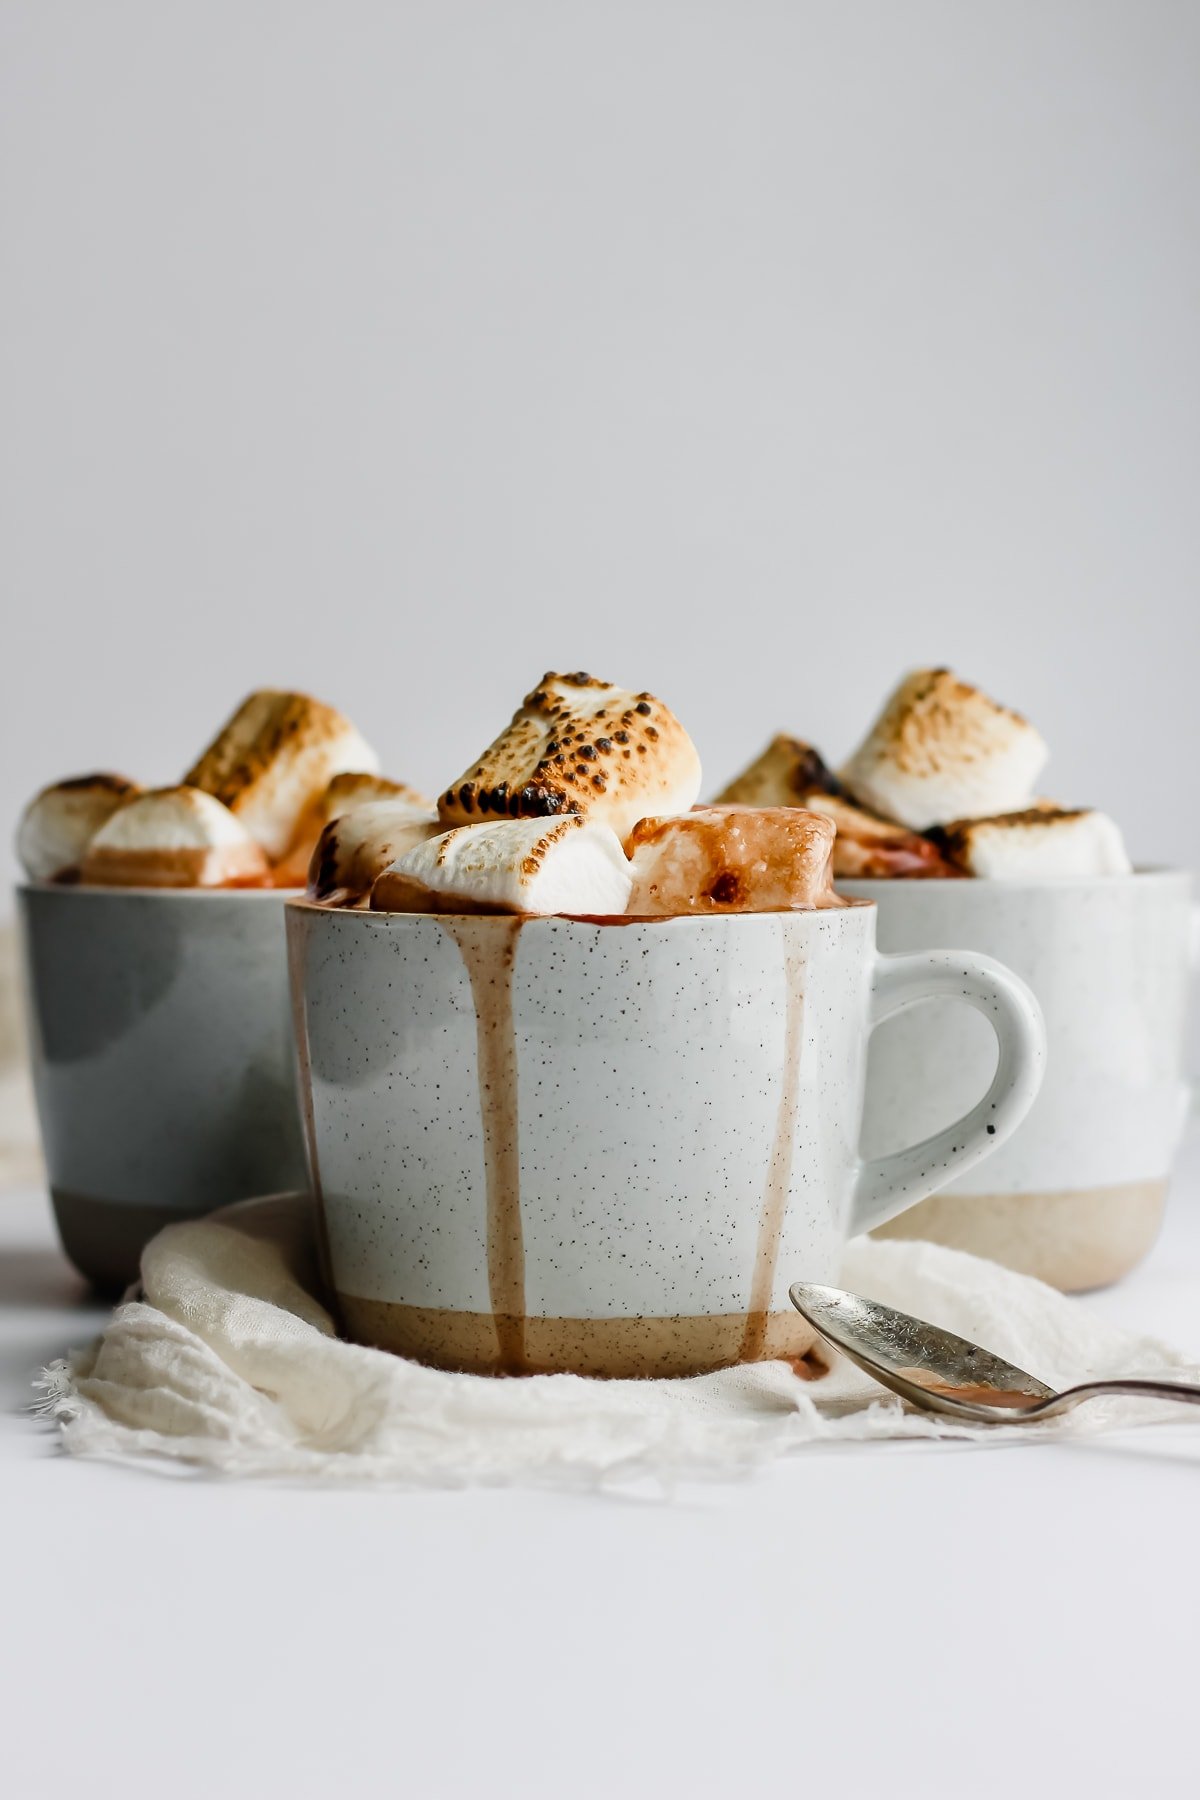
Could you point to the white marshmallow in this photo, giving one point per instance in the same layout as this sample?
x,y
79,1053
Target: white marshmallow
x,y
579,745
941,750
355,848
1035,844
274,759
173,837
562,865
59,823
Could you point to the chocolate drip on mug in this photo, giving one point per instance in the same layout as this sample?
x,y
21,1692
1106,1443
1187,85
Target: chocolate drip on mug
x,y
779,1169
297,949
488,946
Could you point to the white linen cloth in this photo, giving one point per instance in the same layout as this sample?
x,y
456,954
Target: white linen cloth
x,y
230,1362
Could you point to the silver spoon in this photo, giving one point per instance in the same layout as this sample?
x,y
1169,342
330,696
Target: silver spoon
x,y
947,1374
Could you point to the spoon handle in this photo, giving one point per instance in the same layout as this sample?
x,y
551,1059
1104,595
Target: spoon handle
x,y
1136,1389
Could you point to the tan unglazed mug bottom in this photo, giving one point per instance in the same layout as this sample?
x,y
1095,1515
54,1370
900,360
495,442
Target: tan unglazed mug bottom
x,y
480,1344
1078,1239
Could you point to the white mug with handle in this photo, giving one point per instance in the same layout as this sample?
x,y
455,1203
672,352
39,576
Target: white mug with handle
x,y
609,1147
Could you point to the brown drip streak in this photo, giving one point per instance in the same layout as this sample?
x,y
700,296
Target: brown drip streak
x,y
489,952
779,1169
297,949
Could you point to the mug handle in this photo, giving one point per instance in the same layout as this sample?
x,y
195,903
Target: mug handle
x,y
888,1185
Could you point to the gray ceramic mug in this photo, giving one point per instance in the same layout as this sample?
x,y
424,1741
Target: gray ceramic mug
x,y
1077,1195
160,1039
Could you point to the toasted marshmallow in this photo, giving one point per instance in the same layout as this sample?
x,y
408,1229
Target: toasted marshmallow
x,y
174,837
867,847
721,859
1039,842
354,788
783,775
344,794
354,849
274,758
59,823
567,865
579,745
941,750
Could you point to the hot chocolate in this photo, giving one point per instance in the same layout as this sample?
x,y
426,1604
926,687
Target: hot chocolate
x,y
942,785
248,814
584,807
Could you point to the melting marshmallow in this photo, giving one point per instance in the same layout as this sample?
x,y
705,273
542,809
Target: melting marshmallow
x,y
355,848
274,758
174,837
1040,842
941,750
567,865
59,823
867,847
732,859
784,775
581,746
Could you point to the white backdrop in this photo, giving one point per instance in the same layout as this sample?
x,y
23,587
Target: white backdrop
x,y
747,352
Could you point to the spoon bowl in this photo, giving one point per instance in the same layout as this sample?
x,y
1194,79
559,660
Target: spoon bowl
x,y
943,1373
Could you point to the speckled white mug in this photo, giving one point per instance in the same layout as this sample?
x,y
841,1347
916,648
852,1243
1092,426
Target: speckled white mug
x,y
1077,1196
609,1147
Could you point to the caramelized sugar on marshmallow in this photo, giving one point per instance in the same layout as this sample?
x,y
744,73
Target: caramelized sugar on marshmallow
x,y
941,750
581,746
787,771
566,865
1042,841
868,848
274,758
59,823
355,848
722,859
173,837
344,794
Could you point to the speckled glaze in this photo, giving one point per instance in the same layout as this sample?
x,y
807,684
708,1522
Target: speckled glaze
x,y
1076,1195
610,1147
162,1059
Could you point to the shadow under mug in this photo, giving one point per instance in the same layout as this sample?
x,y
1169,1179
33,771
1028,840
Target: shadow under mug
x,y
163,1065
1076,1196
608,1148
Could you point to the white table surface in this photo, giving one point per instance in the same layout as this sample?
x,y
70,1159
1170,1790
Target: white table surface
x,y
869,1619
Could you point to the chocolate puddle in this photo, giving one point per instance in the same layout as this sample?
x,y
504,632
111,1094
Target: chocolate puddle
x,y
779,1169
973,1393
489,951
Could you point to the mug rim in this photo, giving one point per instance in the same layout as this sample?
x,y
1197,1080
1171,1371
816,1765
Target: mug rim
x,y
1144,875
856,906
95,890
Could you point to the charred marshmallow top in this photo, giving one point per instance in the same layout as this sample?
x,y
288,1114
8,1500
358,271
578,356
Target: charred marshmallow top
x,y
274,758
941,750
582,746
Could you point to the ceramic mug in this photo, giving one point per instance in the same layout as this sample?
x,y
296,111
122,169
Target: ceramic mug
x,y
1076,1196
161,1048
551,1144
